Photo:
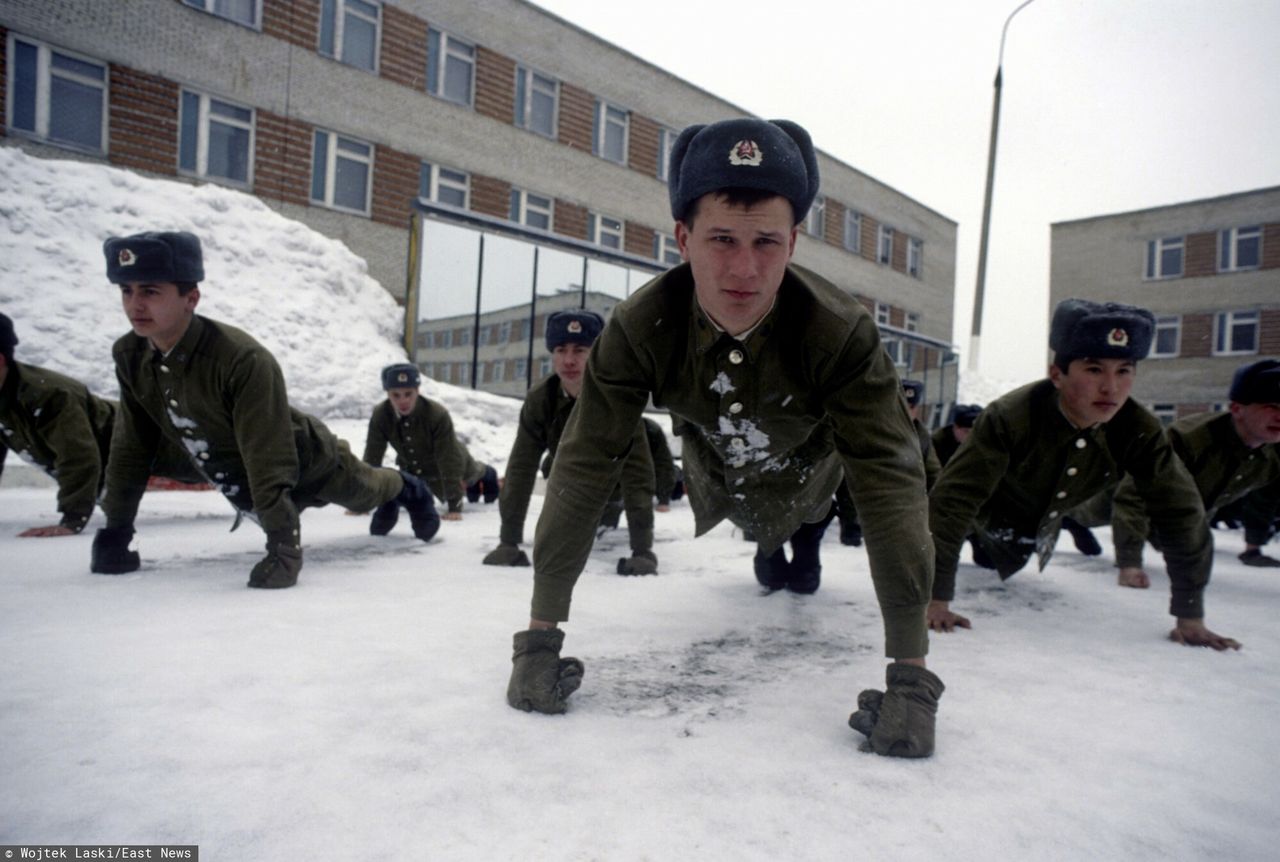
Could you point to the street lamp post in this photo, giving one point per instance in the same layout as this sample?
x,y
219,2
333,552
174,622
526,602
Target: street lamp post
x,y
975,333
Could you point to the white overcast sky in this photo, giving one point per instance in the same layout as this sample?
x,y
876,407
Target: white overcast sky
x,y
1108,105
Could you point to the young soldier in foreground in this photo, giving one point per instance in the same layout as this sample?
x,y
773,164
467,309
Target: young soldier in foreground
x,y
421,433
1229,455
546,411
781,385
57,424
217,394
1045,448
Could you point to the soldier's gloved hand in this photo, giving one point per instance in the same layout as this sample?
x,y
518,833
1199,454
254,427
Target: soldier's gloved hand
x,y
540,679
506,555
640,563
899,721
110,554
280,567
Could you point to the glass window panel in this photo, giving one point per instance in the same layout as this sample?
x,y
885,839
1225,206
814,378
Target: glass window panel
x,y
367,9
433,61
521,96
243,11
457,80
1171,261
26,65
79,67
452,196
75,113
189,137
350,183
231,112
359,41
319,166
228,152
346,145
328,26
424,181
543,113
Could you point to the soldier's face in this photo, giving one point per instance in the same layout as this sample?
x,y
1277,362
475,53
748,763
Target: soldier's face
x,y
1093,390
568,361
961,434
738,256
403,398
1257,424
157,311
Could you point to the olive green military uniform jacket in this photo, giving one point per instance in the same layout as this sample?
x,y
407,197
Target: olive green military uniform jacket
x,y
543,417
767,426
1224,470
57,424
945,444
664,466
426,446
932,466
220,396
1024,465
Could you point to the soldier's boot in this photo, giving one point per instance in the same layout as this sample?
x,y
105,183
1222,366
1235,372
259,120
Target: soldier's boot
x,y
806,566
1255,557
490,484
1083,537
850,532
772,570
612,514
473,491
980,556
678,490
384,518
415,496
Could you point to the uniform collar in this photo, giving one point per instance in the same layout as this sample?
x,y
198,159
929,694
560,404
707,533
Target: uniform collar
x,y
186,345
707,333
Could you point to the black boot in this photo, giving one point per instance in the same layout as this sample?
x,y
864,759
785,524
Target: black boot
x,y
773,570
850,533
384,518
806,566
415,496
1083,537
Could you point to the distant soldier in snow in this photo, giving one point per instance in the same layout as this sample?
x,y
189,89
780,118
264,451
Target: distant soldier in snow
x,y
421,433
668,481
947,439
779,385
546,411
57,424
1038,451
212,390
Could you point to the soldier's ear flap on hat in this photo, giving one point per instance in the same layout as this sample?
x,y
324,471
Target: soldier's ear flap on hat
x,y
804,143
678,151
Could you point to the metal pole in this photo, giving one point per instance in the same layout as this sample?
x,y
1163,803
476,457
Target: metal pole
x,y
975,333
533,319
475,326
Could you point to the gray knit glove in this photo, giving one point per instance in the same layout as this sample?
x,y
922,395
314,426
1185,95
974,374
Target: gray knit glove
x,y
506,555
899,721
280,567
639,563
540,679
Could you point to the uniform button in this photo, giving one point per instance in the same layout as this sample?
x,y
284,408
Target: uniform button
x,y
164,368
1071,471
737,443
735,407
1080,443
1061,494
173,403
1053,514
219,475
204,456
1238,478
735,356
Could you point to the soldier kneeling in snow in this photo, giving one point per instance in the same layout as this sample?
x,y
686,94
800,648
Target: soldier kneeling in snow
x,y
213,391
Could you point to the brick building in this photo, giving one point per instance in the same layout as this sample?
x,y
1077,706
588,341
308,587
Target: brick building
x,y
341,113
1209,269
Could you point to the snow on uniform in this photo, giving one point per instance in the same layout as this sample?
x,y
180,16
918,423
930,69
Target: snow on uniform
x,y
426,446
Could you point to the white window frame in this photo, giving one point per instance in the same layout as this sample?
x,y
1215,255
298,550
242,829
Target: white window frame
x,y
484,336
893,347
603,119
341,9
601,227
815,222
1153,268
459,49
504,332
521,369
203,119
330,171
462,373
527,81
853,231
666,250
882,313
1229,242
915,257
1166,322
885,254
211,7
439,176
499,374
444,339
522,207
464,336
544,367
1224,330
666,140
44,75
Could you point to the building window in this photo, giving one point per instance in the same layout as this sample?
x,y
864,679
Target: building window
x,y
666,140
522,368
853,231
349,32
451,65
882,314
915,257
216,139
504,332
499,370
1235,332
484,336
1240,248
604,230
912,323
55,96
442,185
815,224
1164,257
665,249
893,347
1166,413
340,172
464,337
544,367
526,328
886,245
536,102
1167,336
530,210
462,373
445,339
610,141
241,11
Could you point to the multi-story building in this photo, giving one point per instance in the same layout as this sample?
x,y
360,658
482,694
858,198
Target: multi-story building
x,y
342,113
1209,269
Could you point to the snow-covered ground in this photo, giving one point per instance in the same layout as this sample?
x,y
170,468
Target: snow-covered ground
x,y
362,713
